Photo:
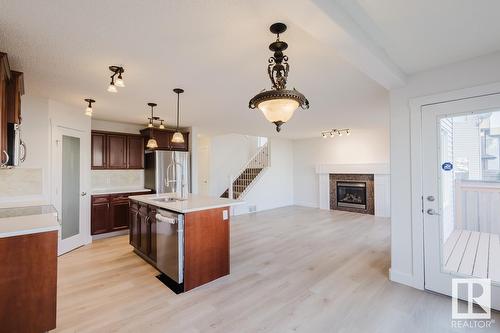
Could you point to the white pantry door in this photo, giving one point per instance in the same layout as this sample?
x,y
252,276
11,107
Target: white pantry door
x,y
461,192
70,199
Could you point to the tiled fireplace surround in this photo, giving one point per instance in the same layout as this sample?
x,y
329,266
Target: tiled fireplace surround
x,y
363,178
381,183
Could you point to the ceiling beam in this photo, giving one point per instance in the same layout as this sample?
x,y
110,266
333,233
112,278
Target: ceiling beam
x,y
329,22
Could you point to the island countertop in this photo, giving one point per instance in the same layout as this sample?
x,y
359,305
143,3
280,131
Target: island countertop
x,y
193,203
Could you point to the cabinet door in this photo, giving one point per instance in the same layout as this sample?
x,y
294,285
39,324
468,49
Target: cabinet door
x,y
117,151
152,234
184,146
3,107
135,152
118,215
15,88
99,218
144,232
134,227
98,150
162,138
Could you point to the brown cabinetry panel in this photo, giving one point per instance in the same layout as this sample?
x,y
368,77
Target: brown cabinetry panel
x,y
135,152
98,150
15,88
28,282
143,229
4,77
206,247
100,218
152,234
118,215
117,151
134,226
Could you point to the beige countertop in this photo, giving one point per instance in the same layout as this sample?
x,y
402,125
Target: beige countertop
x,y
193,203
118,190
30,224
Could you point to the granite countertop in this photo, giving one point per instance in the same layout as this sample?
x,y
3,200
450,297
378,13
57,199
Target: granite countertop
x,y
119,190
28,224
193,203
27,210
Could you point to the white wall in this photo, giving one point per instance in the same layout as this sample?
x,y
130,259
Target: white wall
x,y
275,187
362,146
113,126
406,260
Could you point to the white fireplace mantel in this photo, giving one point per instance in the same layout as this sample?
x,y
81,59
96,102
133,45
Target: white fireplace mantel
x,y
381,177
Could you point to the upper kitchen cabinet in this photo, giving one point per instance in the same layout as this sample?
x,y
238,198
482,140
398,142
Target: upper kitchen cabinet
x,y
164,139
5,76
112,150
117,151
15,89
98,150
135,152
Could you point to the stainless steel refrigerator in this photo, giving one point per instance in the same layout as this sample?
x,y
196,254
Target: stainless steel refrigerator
x,y
167,171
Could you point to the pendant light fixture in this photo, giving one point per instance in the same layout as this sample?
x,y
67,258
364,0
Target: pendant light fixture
x,y
278,104
178,137
88,110
117,70
152,144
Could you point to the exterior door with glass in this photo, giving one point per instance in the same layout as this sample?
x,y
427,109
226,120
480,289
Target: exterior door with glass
x,y
68,194
461,192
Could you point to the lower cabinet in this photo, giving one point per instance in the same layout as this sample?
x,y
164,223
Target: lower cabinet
x,y
110,212
143,229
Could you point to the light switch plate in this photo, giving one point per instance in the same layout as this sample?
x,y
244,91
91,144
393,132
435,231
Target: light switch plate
x,y
225,214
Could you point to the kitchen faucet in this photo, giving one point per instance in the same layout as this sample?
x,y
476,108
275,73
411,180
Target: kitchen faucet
x,y
183,193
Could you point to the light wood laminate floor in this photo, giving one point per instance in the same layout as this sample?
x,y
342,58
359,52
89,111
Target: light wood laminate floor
x,y
293,269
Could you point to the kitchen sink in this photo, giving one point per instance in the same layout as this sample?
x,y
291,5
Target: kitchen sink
x,y
168,199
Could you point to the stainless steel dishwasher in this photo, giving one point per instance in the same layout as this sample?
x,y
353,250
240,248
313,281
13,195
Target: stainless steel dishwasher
x,y
170,244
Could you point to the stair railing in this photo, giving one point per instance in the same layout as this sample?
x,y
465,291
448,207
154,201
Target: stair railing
x,y
260,160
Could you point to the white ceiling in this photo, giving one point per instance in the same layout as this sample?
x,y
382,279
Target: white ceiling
x,y
422,34
218,50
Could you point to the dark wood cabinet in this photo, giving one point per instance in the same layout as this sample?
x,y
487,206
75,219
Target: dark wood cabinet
x,y
98,150
111,212
164,139
143,229
15,89
4,78
112,150
117,151
135,152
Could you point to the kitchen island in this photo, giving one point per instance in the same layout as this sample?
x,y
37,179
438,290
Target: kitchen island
x,y
187,240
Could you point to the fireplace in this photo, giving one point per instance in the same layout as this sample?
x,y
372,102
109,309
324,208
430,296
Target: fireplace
x,y
351,194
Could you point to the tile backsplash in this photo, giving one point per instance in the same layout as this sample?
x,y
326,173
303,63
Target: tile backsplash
x,y
108,179
21,182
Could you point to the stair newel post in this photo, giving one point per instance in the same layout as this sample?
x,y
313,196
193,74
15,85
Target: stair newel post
x,y
230,192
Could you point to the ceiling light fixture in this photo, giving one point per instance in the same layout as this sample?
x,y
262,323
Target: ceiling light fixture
x,y
116,70
88,110
161,124
335,131
278,104
178,137
152,144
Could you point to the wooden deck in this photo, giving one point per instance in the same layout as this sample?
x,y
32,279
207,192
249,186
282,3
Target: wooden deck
x,y
473,253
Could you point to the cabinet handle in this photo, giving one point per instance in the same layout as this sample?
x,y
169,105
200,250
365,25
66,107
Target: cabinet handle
x,y
6,159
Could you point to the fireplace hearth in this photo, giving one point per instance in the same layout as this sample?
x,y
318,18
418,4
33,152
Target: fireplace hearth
x,y
352,193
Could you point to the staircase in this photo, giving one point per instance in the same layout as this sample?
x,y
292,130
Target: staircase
x,y
248,175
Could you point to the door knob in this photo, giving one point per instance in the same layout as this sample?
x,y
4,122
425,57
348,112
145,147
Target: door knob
x,y
83,194
431,211
431,198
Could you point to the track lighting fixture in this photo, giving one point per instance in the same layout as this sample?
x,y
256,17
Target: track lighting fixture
x,y
116,70
334,131
88,110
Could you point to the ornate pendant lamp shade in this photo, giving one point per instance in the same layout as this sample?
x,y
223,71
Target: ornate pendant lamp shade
x,y
88,110
278,104
152,144
178,137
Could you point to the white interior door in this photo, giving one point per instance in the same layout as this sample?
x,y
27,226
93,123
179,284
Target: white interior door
x,y
461,192
69,189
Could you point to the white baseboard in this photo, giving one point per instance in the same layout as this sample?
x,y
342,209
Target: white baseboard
x,y
404,278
